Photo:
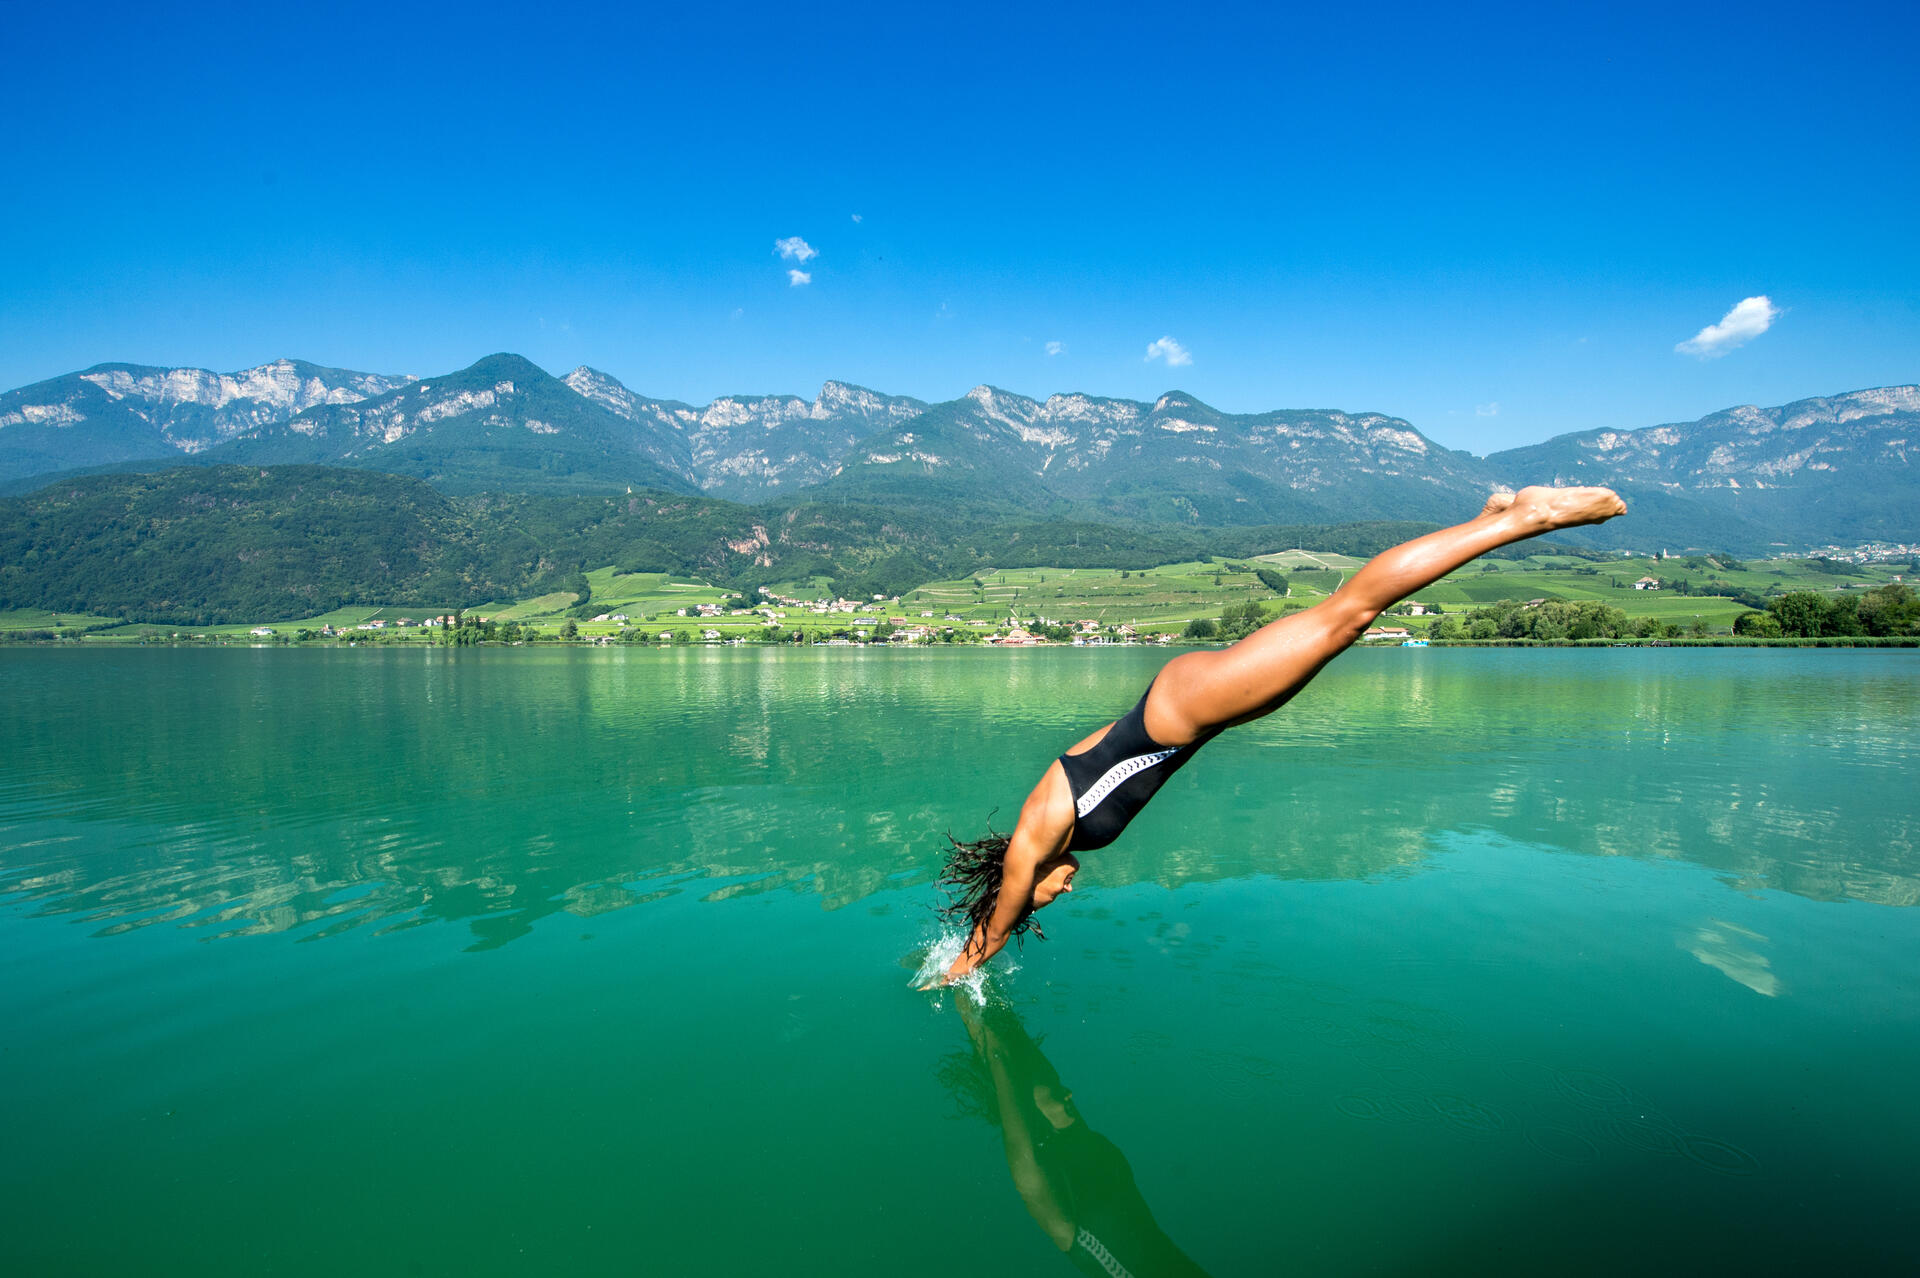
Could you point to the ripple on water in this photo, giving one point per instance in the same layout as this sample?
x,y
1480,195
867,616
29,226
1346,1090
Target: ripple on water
x,y
1562,1143
1468,1115
1593,1090
1651,1134
1361,1105
1720,1156
1239,1076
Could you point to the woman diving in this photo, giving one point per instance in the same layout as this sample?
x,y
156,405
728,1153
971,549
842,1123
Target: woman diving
x,y
1087,796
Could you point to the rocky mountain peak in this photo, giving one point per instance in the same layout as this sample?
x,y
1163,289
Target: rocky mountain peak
x,y
504,366
1817,470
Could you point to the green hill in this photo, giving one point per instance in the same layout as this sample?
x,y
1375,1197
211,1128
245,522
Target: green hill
x,y
197,545
230,543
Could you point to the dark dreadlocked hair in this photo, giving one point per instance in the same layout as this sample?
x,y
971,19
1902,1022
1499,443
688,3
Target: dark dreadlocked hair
x,y
971,881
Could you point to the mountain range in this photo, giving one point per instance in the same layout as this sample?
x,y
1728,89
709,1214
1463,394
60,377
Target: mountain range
x,y
1837,469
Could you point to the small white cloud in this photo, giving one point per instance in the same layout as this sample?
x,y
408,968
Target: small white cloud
x,y
857,217
795,249
1056,348
796,278
1746,321
1171,351
738,311
1487,410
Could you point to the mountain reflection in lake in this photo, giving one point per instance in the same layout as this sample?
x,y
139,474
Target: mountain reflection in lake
x,y
272,791
1453,966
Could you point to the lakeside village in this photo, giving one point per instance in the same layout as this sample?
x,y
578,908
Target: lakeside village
x,y
837,621
848,623
852,623
1846,598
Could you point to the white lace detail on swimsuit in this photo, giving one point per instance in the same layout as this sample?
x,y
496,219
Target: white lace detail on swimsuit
x,y
1097,1249
1111,779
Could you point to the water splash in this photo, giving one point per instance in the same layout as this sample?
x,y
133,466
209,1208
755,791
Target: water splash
x,y
941,951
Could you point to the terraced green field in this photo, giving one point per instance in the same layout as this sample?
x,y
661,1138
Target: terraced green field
x,y
1165,597
339,619
642,596
41,619
1291,560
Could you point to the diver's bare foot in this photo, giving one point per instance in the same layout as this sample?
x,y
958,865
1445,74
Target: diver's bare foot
x,y
1496,503
1568,507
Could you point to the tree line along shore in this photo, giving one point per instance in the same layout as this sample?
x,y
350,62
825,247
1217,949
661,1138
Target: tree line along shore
x,y
1543,598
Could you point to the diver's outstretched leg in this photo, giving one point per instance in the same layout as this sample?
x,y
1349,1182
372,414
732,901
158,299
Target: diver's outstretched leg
x,y
1204,691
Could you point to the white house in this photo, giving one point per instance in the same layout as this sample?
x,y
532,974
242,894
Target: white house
x,y
1647,583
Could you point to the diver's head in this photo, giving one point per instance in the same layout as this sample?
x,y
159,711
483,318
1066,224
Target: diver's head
x,y
1056,1105
1056,876
972,876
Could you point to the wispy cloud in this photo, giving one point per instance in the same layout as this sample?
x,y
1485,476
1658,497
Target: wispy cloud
x,y
1746,321
858,218
1056,348
795,249
1487,410
796,278
1169,350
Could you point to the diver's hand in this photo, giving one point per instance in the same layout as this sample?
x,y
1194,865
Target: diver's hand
x,y
940,980
953,975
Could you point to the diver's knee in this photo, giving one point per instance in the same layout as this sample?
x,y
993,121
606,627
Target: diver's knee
x,y
1349,619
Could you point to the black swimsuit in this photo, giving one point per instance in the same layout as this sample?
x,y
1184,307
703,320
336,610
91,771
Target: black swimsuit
x,y
1113,781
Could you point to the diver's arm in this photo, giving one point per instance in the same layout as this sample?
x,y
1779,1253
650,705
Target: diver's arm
x,y
1029,1176
1041,834
1019,873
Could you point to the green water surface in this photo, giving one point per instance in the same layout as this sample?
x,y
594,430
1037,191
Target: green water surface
x,y
582,962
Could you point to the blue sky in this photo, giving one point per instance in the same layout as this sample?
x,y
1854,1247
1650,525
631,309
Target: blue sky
x,y
1495,221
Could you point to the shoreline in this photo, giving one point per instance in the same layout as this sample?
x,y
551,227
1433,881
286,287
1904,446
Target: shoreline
x,y
1711,641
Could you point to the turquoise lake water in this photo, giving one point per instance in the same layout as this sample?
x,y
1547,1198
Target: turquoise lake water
x,y
582,962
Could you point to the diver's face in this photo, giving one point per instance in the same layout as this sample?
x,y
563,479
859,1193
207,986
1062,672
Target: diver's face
x,y
1055,877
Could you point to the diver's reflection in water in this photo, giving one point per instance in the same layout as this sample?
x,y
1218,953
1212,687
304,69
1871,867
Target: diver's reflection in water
x,y
1074,1181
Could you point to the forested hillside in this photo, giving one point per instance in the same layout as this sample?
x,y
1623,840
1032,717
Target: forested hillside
x,y
200,544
